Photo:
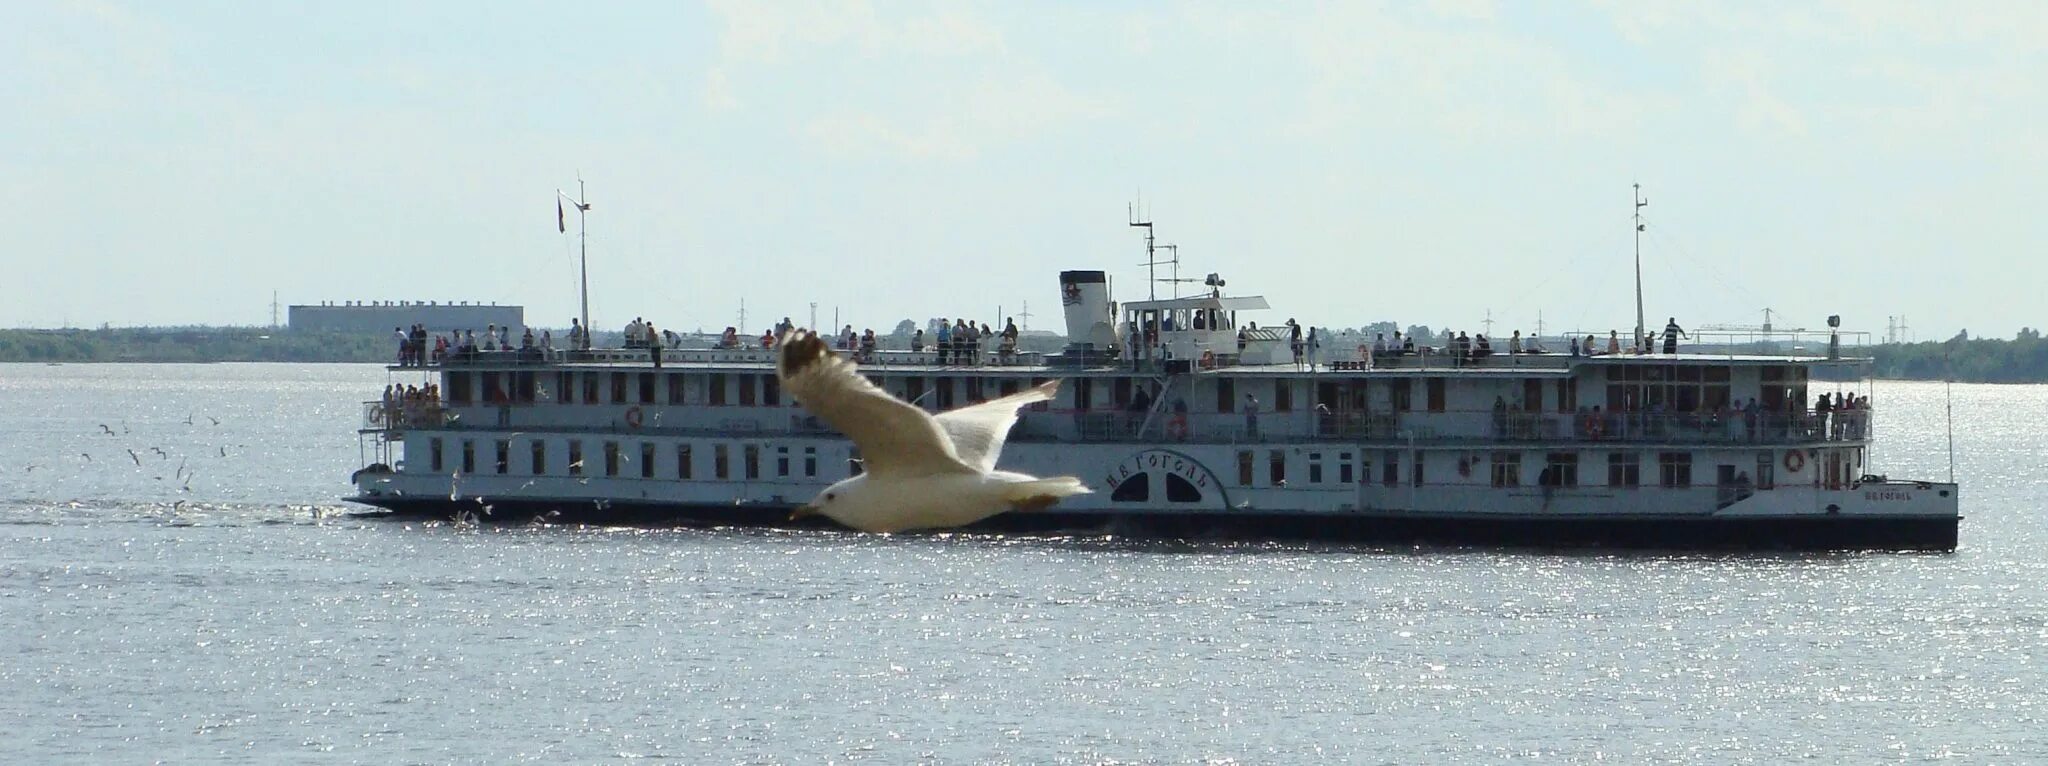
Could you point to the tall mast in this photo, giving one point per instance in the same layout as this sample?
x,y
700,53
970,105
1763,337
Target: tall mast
x,y
1640,202
583,243
1151,272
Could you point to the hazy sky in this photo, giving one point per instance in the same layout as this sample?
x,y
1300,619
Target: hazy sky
x,y
173,163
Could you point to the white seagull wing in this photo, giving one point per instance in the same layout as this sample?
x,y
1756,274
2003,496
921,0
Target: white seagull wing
x,y
978,430
895,438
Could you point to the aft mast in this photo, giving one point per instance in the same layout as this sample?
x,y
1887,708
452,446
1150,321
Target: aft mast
x,y
583,243
1640,201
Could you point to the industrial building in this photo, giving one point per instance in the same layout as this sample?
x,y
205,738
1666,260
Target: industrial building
x,y
382,316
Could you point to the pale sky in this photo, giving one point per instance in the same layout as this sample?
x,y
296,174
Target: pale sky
x,y
1426,162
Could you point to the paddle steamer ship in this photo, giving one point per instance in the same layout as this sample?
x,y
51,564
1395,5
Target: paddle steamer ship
x,y
1204,428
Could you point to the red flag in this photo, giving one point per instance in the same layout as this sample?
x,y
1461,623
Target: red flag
x,y
561,220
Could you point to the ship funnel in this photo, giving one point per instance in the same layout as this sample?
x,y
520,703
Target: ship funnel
x,y
1090,319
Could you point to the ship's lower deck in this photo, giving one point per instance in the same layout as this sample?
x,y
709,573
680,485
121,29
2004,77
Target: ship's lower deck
x,y
1563,531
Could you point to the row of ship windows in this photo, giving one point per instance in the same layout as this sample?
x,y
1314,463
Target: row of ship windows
x,y
941,393
1560,469
647,460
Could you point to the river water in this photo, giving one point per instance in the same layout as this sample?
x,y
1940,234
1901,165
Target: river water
x,y
215,603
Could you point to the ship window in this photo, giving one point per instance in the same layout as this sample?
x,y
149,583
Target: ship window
x,y
647,460
1315,468
1226,395
1283,395
1507,469
1766,470
611,458
715,388
746,384
1562,469
1624,469
1532,395
458,387
781,461
683,468
589,387
504,462
565,387
1390,467
1401,394
1344,474
974,391
1007,387
753,458
434,454
1244,468
810,462
1567,395
646,388
1180,490
493,388
540,457
523,386
575,457
1276,467
1674,469
468,456
1436,394
721,461
1120,393
913,389
675,388
618,387
1137,488
942,392
771,391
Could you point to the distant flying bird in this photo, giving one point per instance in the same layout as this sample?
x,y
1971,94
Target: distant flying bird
x,y
104,427
160,452
223,452
88,458
216,421
135,457
188,418
923,472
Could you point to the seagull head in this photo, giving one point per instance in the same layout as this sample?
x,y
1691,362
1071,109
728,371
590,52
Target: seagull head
x,y
837,501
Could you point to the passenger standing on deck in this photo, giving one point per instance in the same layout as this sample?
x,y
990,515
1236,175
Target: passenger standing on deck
x,y
945,341
1315,344
1294,340
1672,332
1515,343
1613,342
654,345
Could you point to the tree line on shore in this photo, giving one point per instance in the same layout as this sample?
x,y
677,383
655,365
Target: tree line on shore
x,y
2023,359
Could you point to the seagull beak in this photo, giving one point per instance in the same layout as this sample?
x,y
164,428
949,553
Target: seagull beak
x,y
802,511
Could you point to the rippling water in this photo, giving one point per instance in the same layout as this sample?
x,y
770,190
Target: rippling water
x,y
238,617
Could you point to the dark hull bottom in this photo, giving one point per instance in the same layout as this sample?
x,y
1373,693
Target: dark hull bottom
x,y
1770,534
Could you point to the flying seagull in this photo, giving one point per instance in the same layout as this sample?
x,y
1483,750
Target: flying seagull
x,y
135,457
922,472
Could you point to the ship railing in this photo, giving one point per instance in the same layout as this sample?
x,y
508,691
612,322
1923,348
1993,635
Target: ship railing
x,y
400,415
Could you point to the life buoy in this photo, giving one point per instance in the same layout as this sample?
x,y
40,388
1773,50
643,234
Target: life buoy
x,y
1177,428
1794,460
1208,360
633,417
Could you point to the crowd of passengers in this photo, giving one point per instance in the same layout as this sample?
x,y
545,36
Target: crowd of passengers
x,y
409,405
1832,418
417,348
960,343
1463,348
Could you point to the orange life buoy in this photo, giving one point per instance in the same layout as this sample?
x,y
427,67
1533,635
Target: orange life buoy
x,y
1794,460
1177,428
633,417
